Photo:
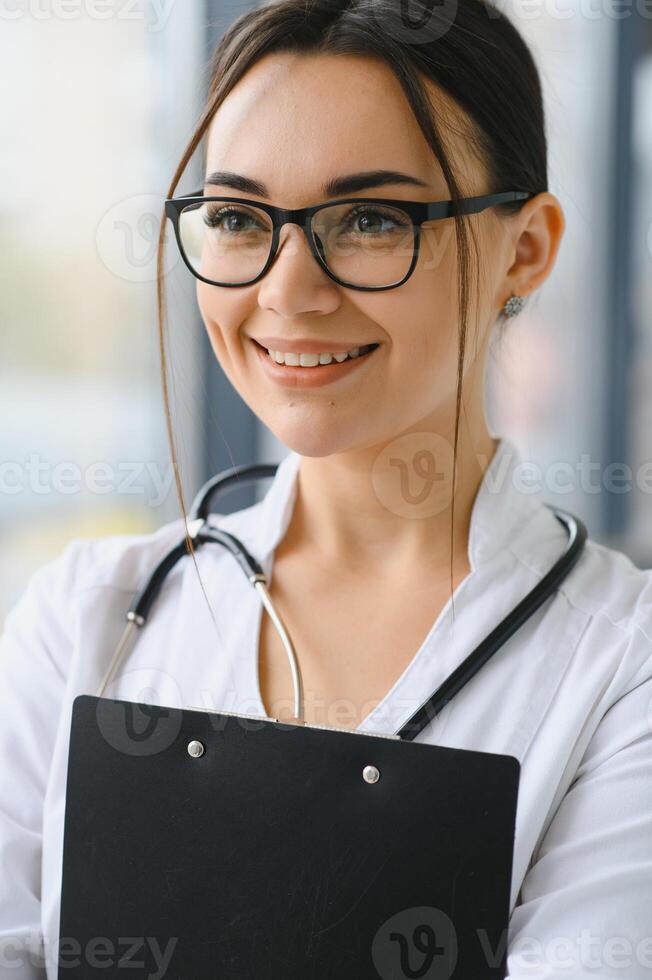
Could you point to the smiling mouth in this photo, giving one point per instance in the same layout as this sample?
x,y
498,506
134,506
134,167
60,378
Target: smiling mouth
x,y
362,353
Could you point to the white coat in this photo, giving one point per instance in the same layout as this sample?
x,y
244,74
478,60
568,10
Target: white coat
x,y
570,695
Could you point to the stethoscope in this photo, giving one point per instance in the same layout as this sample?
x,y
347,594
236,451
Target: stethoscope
x,y
201,532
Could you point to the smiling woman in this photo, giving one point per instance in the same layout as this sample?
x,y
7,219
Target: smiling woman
x,y
421,126
374,205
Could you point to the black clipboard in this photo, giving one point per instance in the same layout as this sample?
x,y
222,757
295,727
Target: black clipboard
x,y
276,854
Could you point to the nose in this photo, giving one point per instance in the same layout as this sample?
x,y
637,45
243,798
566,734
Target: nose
x,y
295,283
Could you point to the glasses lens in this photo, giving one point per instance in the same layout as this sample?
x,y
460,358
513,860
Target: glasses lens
x,y
365,244
226,242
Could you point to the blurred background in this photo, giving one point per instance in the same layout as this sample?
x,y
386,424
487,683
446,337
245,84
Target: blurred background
x,y
98,103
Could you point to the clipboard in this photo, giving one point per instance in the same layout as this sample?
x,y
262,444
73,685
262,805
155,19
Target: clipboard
x,y
202,844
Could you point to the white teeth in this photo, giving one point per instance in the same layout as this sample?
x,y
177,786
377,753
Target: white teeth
x,y
308,360
294,359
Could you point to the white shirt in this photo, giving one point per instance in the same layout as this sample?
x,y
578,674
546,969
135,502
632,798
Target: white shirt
x,y
570,696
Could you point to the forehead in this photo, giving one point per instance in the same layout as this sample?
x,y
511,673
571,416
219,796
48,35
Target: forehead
x,y
295,120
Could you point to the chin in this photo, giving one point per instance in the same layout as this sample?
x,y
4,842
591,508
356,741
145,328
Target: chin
x,y
301,438
311,447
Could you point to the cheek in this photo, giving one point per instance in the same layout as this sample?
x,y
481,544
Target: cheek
x,y
433,303
437,251
419,319
223,311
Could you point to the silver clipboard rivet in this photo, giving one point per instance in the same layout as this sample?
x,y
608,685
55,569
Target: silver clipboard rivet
x,y
195,749
370,774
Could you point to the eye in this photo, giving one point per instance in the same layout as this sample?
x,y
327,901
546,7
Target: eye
x,y
231,219
372,220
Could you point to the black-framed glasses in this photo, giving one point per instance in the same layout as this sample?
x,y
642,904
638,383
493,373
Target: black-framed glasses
x,y
367,243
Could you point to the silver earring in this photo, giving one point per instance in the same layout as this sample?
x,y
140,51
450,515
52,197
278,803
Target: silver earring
x,y
513,306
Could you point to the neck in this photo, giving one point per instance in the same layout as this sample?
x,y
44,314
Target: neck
x,y
388,507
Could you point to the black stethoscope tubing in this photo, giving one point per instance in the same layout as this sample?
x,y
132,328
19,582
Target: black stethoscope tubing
x,y
202,533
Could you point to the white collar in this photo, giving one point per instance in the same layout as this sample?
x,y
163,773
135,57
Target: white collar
x,y
502,507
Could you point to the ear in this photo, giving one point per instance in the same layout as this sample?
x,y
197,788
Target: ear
x,y
536,231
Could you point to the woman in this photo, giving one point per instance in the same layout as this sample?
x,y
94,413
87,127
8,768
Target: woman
x,y
397,528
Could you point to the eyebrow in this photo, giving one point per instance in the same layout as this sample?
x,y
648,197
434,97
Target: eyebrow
x,y
348,184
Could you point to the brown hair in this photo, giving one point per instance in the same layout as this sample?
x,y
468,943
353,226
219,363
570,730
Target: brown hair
x,y
471,51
